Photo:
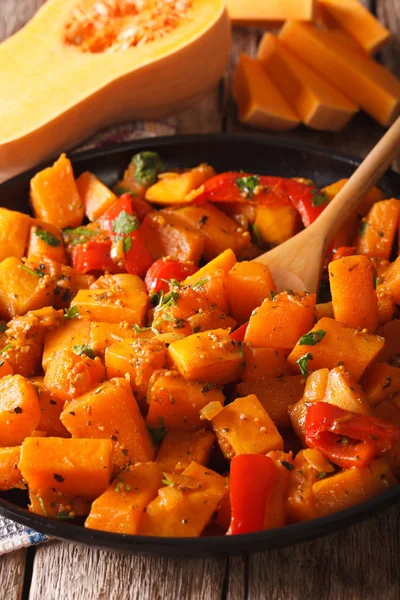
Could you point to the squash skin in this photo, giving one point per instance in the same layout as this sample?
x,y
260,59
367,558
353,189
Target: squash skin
x,y
113,88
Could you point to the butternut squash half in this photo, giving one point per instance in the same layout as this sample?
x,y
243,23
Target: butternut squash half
x,y
78,66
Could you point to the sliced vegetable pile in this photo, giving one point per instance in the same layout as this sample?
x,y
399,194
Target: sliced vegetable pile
x,y
152,379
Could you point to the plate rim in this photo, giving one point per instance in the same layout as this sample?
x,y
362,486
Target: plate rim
x,y
182,547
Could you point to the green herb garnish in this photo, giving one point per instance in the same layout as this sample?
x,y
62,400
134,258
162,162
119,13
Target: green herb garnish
x,y
199,283
79,235
363,228
3,327
120,191
80,349
36,272
167,482
125,223
47,237
256,233
127,244
158,433
71,313
6,347
147,166
312,338
318,198
42,506
303,363
139,329
248,184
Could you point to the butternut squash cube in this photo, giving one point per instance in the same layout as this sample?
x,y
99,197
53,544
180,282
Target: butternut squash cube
x,y
176,402
96,196
276,221
46,240
184,510
275,513
276,395
137,358
179,448
173,188
245,427
74,332
268,325
219,231
50,503
210,356
10,475
390,281
319,104
54,195
50,410
125,300
352,486
165,235
381,382
225,261
352,278
261,104
344,392
111,412
14,232
73,467
19,409
378,229
340,345
389,410
262,363
70,375
248,284
103,335
121,507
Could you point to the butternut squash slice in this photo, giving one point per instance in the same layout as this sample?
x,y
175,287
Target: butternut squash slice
x,y
104,79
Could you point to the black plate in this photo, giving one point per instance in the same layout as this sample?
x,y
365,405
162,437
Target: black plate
x,y
252,153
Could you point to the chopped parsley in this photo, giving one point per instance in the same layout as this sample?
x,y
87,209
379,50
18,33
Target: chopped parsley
x,y
125,223
79,235
7,347
3,327
363,228
322,475
120,191
256,233
248,184
167,482
199,283
71,313
47,237
303,363
158,433
36,272
80,349
147,166
127,244
318,198
139,329
312,338
42,506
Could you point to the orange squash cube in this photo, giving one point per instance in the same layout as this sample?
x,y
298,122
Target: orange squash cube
x,y
73,467
340,345
50,503
276,221
378,229
14,233
275,514
111,412
19,409
50,409
10,475
46,240
344,392
175,188
225,261
103,335
179,448
268,325
176,402
54,195
245,427
390,332
96,196
210,356
380,382
121,507
249,283
184,510
74,332
262,363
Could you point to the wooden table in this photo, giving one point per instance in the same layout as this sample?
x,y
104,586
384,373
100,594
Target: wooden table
x,y
359,563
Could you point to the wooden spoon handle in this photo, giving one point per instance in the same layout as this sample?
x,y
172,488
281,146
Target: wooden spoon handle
x,y
363,179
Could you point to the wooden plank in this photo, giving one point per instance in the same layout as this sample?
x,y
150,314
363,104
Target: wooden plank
x,y
70,572
360,563
12,567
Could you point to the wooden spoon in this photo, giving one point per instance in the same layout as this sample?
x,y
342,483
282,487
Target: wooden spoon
x,y
297,264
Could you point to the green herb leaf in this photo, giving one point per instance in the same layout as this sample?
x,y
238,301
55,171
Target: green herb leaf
x,y
199,283
312,338
256,234
79,235
3,327
120,191
42,506
80,349
343,440
125,223
318,198
363,228
139,329
127,243
322,475
36,272
158,433
289,466
47,237
303,363
154,299
248,184
6,347
71,313
167,482
147,166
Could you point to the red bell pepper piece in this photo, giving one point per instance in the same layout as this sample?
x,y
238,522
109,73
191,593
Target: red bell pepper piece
x,y
94,255
138,259
342,252
239,333
163,270
252,478
346,438
262,189
123,204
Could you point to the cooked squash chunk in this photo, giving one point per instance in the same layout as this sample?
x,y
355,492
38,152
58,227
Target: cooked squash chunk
x,y
10,475
19,409
268,325
46,240
71,374
14,232
103,335
262,363
50,410
276,222
210,356
111,412
96,196
225,261
73,467
55,197
381,382
48,502
275,514
378,229
176,402
339,345
245,427
344,392
184,508
249,283
173,188
179,448
121,507
74,332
